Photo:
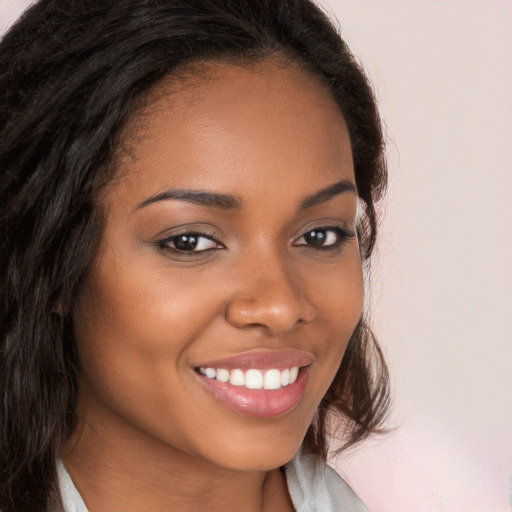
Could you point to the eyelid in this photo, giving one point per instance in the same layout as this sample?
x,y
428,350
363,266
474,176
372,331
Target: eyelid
x,y
199,228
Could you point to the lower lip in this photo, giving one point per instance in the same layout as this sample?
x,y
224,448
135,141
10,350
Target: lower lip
x,y
260,403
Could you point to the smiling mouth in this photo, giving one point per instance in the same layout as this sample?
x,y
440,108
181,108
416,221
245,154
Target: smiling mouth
x,y
264,384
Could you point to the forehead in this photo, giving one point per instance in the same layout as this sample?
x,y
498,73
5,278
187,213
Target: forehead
x,y
265,123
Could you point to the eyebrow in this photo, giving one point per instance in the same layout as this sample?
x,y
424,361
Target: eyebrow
x,y
231,202
327,193
221,201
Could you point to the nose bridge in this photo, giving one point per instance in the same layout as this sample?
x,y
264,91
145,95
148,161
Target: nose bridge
x,y
268,293
272,280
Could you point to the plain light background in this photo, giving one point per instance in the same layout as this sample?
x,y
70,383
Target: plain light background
x,y
442,279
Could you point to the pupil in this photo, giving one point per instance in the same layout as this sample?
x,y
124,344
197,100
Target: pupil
x,y
315,237
186,242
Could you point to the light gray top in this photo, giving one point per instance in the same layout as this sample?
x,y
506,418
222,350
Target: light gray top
x,y
71,498
313,487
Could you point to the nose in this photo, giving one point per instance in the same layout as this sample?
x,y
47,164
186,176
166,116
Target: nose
x,y
268,297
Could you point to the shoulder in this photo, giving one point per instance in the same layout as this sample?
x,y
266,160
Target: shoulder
x,y
315,487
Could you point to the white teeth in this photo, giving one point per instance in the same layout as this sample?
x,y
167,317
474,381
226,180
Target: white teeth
x,y
237,378
209,372
272,379
253,378
222,375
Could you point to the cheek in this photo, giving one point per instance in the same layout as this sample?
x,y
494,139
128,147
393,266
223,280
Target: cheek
x,y
339,299
133,329
339,293
143,307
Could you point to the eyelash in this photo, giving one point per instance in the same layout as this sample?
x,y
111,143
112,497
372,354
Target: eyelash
x,y
341,235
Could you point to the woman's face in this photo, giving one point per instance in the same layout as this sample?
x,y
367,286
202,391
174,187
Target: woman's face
x,y
228,262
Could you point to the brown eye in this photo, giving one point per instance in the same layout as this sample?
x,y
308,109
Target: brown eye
x,y
319,237
325,238
186,242
189,242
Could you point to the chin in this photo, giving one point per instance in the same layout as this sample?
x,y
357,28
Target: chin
x,y
262,448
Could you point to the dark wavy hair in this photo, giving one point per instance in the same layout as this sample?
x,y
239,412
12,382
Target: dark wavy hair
x,y
72,73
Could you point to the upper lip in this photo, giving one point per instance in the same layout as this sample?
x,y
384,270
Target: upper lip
x,y
262,359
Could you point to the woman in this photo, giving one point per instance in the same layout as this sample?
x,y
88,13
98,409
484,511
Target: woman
x,y
188,195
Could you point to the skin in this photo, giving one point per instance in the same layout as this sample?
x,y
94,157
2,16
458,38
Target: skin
x,y
271,136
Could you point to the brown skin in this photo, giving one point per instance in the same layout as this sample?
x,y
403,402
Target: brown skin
x,y
152,438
